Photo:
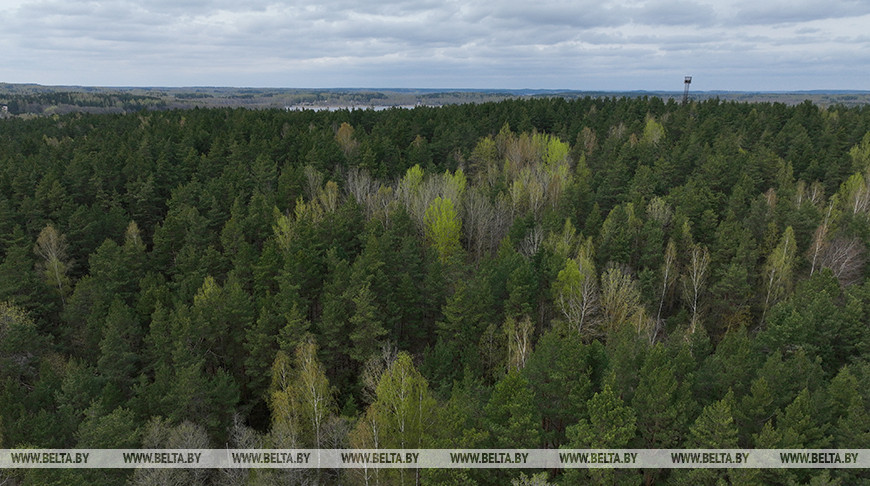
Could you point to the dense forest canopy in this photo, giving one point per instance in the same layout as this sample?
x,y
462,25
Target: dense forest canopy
x,y
609,272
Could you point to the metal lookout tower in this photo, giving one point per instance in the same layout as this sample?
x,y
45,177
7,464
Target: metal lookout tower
x,y
686,90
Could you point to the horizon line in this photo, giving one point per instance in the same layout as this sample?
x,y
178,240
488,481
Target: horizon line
x,y
441,89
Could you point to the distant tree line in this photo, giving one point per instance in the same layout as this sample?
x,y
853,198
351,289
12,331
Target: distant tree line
x,y
65,101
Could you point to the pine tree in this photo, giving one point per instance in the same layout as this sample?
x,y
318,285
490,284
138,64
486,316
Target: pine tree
x,y
562,372
511,416
715,429
662,402
20,283
611,425
118,363
366,329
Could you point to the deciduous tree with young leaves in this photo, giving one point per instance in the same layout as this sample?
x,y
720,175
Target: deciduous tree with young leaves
x,y
51,247
443,229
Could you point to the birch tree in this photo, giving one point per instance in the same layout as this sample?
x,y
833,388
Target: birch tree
x,y
284,417
344,136
51,247
856,194
576,290
621,303
820,239
778,270
845,257
402,415
301,396
669,275
519,340
479,220
485,222
694,279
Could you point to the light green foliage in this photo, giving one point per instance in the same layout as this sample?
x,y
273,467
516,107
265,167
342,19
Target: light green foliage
x,y
403,413
564,244
556,152
576,292
854,194
301,398
283,229
454,186
328,197
443,229
284,416
653,131
51,247
345,138
694,280
404,400
413,178
485,152
410,192
536,169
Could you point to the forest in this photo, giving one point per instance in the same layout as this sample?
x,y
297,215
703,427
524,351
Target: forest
x,y
26,100
538,273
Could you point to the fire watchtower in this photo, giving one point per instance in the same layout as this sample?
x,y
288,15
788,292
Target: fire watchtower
x,y
686,89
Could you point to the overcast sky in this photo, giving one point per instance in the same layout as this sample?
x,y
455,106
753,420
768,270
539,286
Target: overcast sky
x,y
558,44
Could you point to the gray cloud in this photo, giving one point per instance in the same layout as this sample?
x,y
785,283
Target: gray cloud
x,y
434,43
675,13
796,11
